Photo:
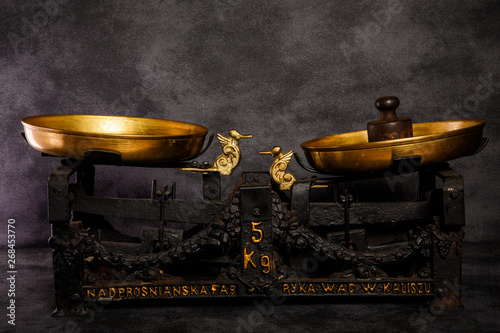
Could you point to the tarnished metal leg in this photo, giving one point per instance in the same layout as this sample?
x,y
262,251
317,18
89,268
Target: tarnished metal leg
x,y
448,242
447,271
67,249
68,269
58,194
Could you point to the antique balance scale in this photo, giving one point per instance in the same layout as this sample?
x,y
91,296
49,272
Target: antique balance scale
x,y
358,231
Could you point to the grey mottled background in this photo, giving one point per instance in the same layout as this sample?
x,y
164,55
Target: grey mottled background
x,y
284,71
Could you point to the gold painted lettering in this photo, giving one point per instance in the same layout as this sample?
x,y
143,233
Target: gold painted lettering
x,y
223,290
187,290
413,286
420,285
90,292
369,287
386,287
427,287
328,288
341,289
102,293
266,263
403,291
294,287
254,229
247,258
311,289
352,288
302,288
286,289
395,289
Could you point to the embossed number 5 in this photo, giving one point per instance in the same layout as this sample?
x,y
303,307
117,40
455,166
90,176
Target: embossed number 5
x,y
254,224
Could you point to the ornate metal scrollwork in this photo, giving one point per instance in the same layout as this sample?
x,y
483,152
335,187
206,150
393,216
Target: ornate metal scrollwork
x,y
230,157
278,168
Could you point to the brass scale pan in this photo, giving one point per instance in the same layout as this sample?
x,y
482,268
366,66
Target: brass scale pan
x,y
146,140
435,142
135,139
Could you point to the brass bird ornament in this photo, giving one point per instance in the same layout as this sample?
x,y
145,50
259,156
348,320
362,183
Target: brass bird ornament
x,y
230,157
279,166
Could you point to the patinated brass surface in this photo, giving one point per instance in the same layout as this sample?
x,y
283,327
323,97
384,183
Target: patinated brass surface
x,y
436,142
142,140
230,157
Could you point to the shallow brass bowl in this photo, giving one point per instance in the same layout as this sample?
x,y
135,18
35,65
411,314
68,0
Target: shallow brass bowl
x,y
436,142
138,140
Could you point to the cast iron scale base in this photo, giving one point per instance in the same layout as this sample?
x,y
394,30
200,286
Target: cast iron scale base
x,y
326,237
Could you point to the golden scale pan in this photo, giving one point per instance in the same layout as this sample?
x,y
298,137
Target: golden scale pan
x,y
145,140
137,140
393,138
435,142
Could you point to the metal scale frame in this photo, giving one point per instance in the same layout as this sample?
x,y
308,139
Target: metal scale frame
x,y
313,237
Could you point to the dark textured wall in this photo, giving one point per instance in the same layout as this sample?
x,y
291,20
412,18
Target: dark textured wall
x,y
284,71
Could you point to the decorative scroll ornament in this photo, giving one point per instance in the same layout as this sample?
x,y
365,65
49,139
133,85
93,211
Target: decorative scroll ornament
x,y
279,166
230,157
